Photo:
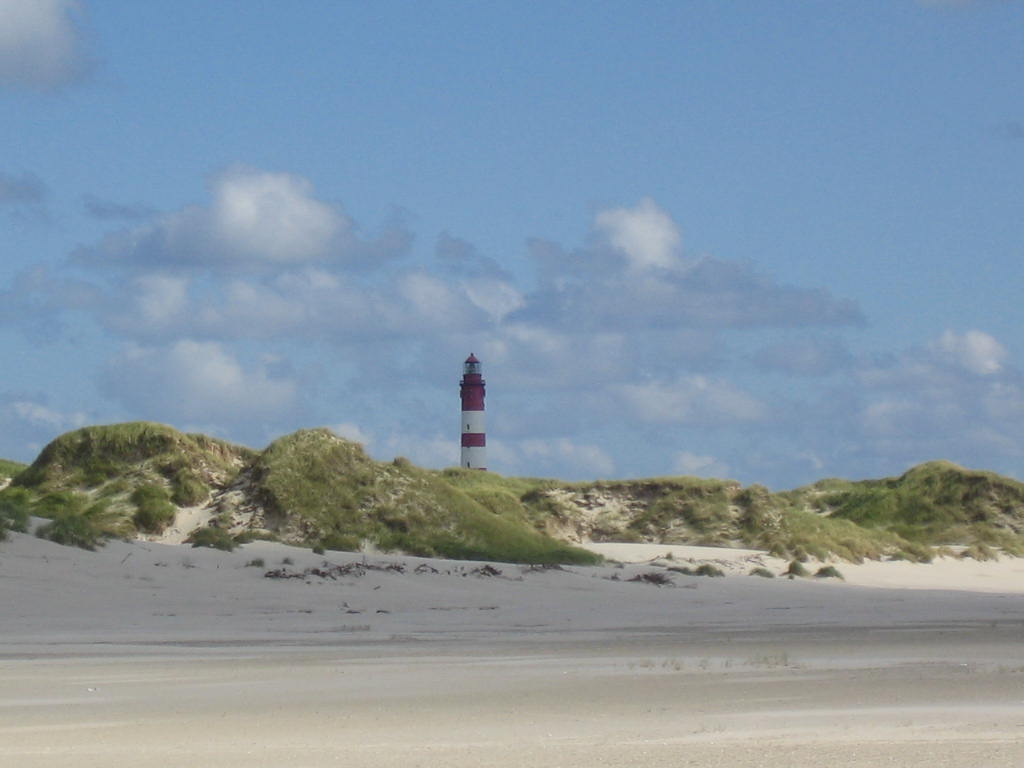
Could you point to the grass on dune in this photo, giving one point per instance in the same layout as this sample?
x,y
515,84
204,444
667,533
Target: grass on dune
x,y
139,473
10,469
318,489
15,510
153,508
92,456
805,534
514,498
474,531
76,520
932,504
333,491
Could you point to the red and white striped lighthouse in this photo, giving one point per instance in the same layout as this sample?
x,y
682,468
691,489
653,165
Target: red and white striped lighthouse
x,y
474,441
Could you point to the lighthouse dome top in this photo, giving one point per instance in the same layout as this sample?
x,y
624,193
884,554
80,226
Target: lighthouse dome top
x,y
472,365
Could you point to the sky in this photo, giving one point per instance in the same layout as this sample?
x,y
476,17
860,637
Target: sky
x,y
770,241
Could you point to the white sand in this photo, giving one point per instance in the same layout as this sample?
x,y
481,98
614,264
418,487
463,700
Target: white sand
x,y
1005,575
149,654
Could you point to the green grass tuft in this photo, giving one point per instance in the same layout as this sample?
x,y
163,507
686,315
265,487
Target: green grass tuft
x,y
341,543
215,538
77,521
796,568
153,509
979,552
15,509
828,572
707,569
187,490
10,469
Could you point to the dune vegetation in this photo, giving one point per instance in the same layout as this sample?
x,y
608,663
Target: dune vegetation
x,y
120,480
328,491
9,469
316,489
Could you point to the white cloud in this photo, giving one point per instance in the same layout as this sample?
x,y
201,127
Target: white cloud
x,y
1003,403
196,381
691,399
974,351
538,357
894,416
294,269
687,463
252,305
43,416
431,298
161,298
632,277
306,302
461,258
805,356
954,398
563,452
645,234
497,298
273,217
259,220
26,424
426,451
352,432
40,46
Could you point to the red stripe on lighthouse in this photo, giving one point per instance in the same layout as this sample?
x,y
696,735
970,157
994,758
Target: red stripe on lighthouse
x,y
473,395
473,440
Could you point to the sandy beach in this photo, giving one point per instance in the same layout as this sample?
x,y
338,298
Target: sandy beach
x,y
149,654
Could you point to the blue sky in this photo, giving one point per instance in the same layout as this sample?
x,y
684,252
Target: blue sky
x,y
774,241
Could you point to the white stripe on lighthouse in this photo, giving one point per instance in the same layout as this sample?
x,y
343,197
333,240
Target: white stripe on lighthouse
x,y
474,457
472,421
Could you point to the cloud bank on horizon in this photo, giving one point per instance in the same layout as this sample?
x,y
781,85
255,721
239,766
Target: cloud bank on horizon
x,y
259,303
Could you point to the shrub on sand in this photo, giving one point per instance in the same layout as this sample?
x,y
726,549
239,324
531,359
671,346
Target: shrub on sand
x,y
707,569
796,568
828,572
979,552
215,538
153,508
15,506
79,525
187,489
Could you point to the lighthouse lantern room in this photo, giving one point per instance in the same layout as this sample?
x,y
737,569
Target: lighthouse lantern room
x,y
474,440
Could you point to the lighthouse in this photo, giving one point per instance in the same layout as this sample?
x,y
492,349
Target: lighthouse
x,y
474,441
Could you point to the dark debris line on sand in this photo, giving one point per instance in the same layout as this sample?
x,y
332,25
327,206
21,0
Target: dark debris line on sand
x,y
327,571
334,572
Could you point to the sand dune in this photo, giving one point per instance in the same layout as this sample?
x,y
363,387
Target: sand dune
x,y
148,654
